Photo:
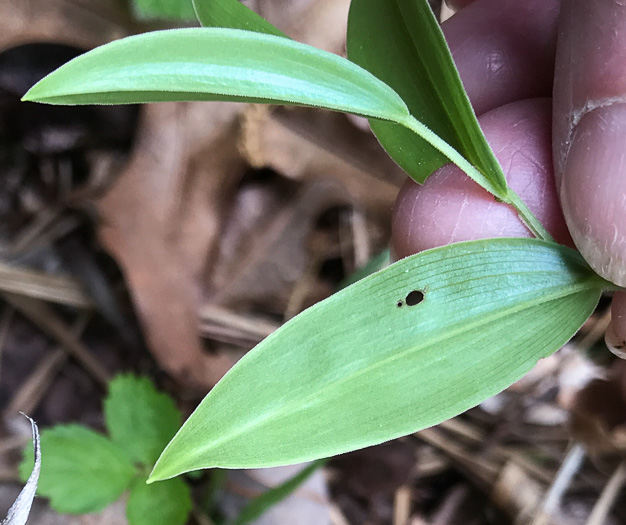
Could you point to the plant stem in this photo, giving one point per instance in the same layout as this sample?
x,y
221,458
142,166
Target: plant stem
x,y
506,195
528,217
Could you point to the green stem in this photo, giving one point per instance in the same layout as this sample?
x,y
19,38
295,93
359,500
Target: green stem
x,y
528,217
506,195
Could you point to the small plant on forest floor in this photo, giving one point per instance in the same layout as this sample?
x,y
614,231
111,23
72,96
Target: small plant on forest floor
x,y
84,471
405,348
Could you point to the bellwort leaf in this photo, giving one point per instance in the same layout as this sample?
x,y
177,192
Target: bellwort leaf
x,y
401,350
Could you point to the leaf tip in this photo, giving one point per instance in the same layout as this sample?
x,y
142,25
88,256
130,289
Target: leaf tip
x,y
160,472
28,97
151,479
34,94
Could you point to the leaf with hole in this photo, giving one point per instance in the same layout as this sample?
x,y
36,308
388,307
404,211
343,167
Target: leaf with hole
x,y
404,46
360,368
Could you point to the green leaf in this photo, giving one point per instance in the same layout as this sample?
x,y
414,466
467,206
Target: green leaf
x,y
217,64
167,503
258,506
82,471
363,367
140,419
164,9
233,14
242,66
412,144
400,42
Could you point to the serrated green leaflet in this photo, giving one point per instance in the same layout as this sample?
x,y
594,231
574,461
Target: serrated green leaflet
x,y
404,46
217,64
233,14
167,503
363,366
163,9
140,419
81,472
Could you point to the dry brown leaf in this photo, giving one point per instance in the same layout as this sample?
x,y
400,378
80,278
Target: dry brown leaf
x,y
81,23
264,248
305,144
320,23
599,413
161,219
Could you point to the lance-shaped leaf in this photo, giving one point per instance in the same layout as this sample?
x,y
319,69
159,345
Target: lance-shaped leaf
x,y
19,511
415,147
235,65
400,41
218,64
233,14
403,349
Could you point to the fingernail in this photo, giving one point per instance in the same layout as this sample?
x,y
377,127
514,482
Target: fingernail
x,y
615,337
593,190
614,343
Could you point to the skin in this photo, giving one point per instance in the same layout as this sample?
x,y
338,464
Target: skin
x,y
565,155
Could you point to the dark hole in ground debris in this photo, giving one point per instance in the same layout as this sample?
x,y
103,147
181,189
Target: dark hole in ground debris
x,y
414,297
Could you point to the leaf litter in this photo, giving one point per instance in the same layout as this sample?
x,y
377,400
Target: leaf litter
x,y
174,216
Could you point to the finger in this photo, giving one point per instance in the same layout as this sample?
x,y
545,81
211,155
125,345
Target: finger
x,y
450,207
589,136
504,50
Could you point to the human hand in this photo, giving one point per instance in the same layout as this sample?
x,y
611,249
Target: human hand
x,y
505,53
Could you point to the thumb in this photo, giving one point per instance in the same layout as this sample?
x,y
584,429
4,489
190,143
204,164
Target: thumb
x,y
589,136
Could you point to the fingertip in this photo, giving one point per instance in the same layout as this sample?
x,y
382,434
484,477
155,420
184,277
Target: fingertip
x,y
450,207
504,50
593,191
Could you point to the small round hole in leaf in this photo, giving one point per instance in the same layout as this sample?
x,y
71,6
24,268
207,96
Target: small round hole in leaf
x,y
399,304
414,297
